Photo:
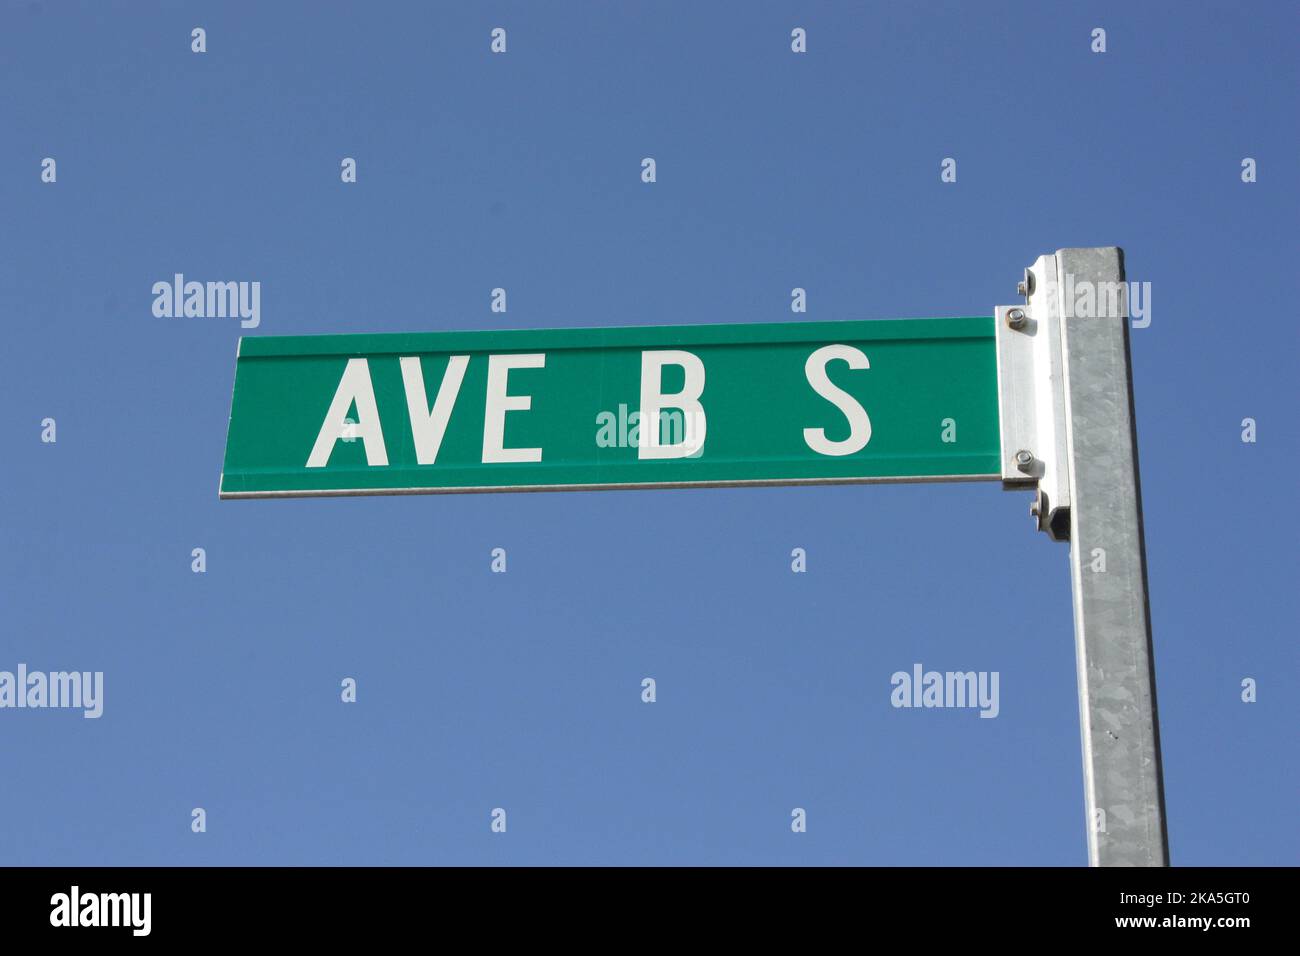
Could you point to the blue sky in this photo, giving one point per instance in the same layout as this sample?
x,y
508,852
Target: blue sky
x,y
522,690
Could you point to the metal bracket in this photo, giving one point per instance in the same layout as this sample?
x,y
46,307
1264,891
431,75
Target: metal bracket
x,y
1031,398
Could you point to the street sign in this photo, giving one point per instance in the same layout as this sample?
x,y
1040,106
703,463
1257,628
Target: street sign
x,y
1039,396
570,409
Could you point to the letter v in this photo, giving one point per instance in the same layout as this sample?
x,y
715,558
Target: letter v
x,y
428,427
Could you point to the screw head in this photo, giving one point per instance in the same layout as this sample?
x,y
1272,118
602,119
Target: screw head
x,y
1016,318
1025,286
1024,459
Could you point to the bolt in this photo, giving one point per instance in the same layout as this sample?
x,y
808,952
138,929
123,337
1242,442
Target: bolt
x,y
1024,460
1016,318
1025,286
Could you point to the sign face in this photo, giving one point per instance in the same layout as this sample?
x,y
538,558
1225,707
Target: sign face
x,y
523,410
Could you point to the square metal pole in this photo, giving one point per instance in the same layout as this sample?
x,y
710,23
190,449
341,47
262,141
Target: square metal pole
x,y
1066,406
1112,625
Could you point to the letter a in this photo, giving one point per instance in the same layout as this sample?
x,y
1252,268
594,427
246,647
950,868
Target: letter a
x,y
354,386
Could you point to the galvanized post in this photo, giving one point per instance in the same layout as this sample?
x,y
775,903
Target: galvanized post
x,y
1068,356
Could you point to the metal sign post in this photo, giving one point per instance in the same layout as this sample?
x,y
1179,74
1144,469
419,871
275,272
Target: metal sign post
x,y
1066,400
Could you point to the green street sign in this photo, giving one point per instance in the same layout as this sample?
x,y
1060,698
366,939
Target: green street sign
x,y
569,409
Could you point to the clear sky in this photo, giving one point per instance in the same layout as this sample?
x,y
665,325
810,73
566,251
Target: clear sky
x,y
523,690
